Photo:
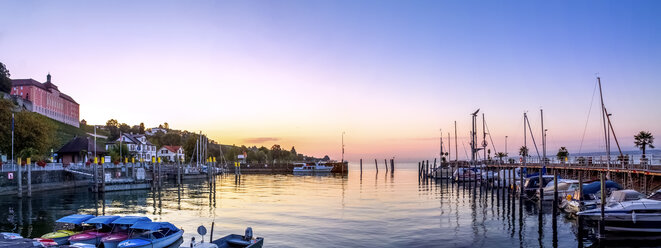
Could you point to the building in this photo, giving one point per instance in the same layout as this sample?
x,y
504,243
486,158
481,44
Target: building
x,y
153,131
80,150
138,146
171,153
47,100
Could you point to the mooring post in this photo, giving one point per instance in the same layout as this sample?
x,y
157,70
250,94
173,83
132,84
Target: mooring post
x,y
386,164
29,180
428,169
603,204
580,188
19,178
541,187
376,165
392,165
434,170
555,192
361,166
419,171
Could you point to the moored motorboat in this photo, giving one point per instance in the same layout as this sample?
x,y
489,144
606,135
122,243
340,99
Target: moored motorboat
x,y
317,167
642,215
589,198
102,226
70,225
467,174
120,230
565,186
151,235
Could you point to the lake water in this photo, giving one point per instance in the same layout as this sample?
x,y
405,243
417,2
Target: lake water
x,y
381,209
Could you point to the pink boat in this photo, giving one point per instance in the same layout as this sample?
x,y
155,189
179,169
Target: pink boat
x,y
120,230
93,237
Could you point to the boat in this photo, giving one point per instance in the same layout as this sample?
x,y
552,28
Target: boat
x,y
565,187
146,234
15,240
531,184
230,241
641,216
318,167
69,226
504,177
120,230
589,199
102,226
467,174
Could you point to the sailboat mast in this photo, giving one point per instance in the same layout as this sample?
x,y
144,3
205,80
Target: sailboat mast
x,y
441,144
525,140
541,112
456,150
603,118
484,137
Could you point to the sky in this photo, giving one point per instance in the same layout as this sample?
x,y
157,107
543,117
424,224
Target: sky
x,y
390,75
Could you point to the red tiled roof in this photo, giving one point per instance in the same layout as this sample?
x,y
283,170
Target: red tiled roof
x,y
172,148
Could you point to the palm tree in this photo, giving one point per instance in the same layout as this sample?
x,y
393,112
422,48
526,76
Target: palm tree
x,y
562,154
643,140
500,156
523,151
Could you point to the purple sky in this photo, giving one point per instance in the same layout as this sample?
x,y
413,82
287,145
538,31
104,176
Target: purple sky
x,y
389,73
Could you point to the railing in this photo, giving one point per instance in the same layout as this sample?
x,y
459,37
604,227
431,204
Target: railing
x,y
34,167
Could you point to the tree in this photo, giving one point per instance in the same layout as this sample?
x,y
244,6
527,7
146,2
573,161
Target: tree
x,y
113,129
83,122
500,156
171,139
326,158
523,151
293,151
5,82
562,153
142,128
643,140
115,153
166,126
124,128
276,152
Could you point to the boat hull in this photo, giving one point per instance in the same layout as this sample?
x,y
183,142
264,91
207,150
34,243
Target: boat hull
x,y
155,243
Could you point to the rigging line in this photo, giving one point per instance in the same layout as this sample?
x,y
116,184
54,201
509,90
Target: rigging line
x,y
464,145
588,119
533,139
490,138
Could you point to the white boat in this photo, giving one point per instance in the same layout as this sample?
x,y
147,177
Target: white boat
x,y
642,215
152,235
467,174
565,187
318,167
504,177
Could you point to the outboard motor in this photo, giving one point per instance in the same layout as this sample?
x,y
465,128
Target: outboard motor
x,y
248,235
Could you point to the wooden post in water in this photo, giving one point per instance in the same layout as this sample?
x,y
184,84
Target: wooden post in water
x,y
428,169
603,204
29,180
434,170
580,188
103,177
419,171
376,165
386,164
392,165
19,176
555,192
361,166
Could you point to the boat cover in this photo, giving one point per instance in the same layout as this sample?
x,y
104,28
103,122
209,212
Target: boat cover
x,y
76,219
130,220
153,226
594,187
106,220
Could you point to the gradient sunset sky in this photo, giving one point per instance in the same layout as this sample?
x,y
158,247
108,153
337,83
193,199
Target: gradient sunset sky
x,y
388,73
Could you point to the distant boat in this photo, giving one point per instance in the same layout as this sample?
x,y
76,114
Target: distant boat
x,y
318,167
152,235
120,230
103,227
70,225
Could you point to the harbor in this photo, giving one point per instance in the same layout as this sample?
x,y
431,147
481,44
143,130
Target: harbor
x,y
352,210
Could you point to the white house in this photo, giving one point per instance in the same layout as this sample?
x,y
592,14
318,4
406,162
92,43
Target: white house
x,y
171,153
154,130
137,145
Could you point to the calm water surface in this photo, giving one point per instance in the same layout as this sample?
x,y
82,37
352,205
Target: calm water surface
x,y
381,209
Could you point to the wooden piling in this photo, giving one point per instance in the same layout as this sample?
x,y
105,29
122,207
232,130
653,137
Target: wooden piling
x,y
385,162
29,180
580,187
392,165
19,178
603,203
361,166
555,191
376,165
419,171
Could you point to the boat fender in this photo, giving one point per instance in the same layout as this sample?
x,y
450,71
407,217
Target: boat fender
x,y
633,216
248,235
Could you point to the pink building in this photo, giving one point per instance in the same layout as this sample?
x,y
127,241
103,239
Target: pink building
x,y
47,100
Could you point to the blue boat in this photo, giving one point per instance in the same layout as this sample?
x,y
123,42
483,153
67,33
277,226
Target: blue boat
x,y
152,235
120,230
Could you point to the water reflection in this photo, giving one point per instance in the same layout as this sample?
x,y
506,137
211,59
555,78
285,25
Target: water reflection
x,y
356,210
